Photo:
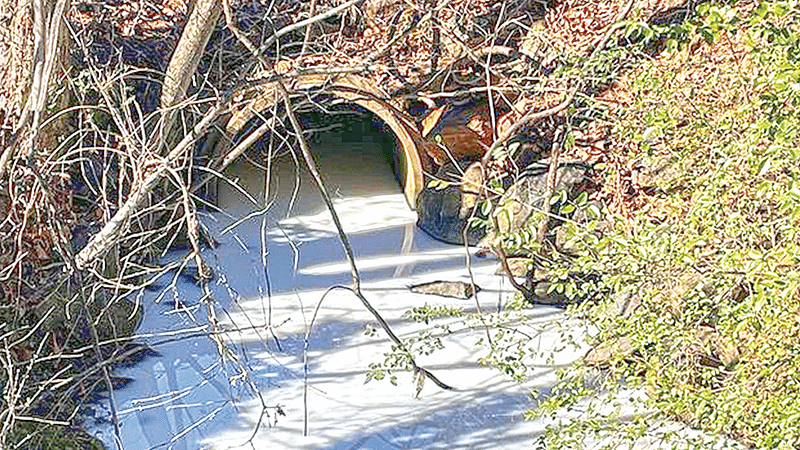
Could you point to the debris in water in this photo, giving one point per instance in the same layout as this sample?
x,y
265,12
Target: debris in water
x,y
455,289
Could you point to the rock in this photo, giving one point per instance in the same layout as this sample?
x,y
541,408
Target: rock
x,y
562,241
524,197
441,213
454,289
654,175
625,303
526,194
471,185
602,354
519,267
543,296
714,349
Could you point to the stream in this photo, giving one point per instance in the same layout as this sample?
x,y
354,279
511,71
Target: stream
x,y
188,397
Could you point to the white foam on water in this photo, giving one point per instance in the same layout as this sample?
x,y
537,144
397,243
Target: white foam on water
x,y
189,397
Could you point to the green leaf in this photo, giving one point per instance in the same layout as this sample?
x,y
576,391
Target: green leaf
x,y
569,140
486,207
582,199
438,184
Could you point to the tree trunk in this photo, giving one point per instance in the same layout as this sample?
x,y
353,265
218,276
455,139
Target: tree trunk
x,y
16,63
34,50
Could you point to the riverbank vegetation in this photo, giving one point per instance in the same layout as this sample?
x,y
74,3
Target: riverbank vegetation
x,y
690,280
684,261
681,260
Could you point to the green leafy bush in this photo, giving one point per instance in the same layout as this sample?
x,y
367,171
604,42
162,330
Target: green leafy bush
x,y
712,258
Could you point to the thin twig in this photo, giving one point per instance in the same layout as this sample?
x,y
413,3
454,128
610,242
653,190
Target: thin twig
x,y
305,353
46,31
298,25
468,263
312,9
66,249
555,153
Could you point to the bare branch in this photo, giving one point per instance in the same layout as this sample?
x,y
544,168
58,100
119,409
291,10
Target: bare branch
x,y
184,61
298,25
104,239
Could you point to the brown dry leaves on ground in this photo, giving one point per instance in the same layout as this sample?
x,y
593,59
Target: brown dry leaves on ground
x,y
410,26
574,26
705,80
27,231
136,18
